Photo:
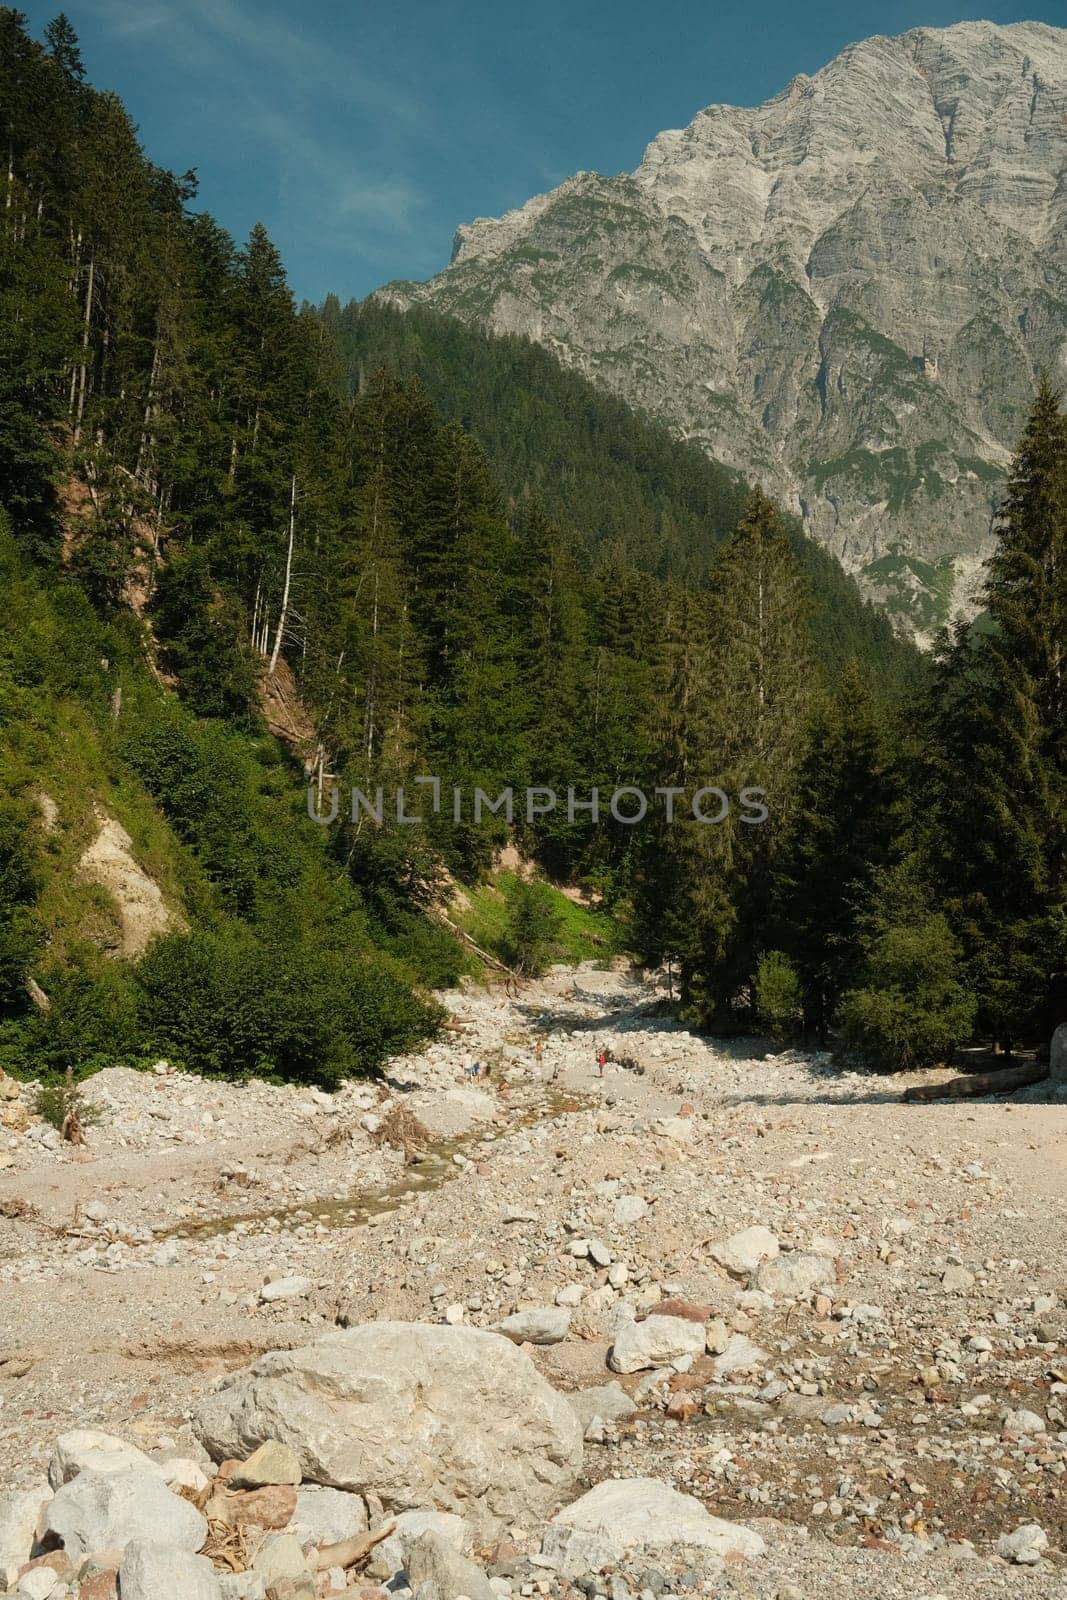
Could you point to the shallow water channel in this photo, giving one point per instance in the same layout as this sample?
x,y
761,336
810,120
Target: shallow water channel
x,y
434,1166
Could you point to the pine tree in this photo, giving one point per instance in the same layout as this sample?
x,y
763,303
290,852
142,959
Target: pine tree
x,y
841,832
1000,844
64,49
760,684
672,876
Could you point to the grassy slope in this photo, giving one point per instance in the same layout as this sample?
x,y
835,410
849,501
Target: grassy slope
x,y
222,832
585,935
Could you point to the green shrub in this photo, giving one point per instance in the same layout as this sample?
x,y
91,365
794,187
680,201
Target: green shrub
x,y
55,1102
200,634
91,1023
779,993
231,1005
911,1010
532,926
20,935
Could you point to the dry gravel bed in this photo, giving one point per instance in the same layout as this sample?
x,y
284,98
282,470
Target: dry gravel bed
x,y
898,1394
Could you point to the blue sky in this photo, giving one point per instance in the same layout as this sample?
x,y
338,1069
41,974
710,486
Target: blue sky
x,y
361,134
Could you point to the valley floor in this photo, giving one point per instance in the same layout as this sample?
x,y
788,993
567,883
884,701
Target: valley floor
x,y
882,1406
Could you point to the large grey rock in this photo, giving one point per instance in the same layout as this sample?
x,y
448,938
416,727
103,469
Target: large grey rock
x,y
742,1253
151,1571
437,1571
606,1400
457,1418
817,290
655,1342
325,1516
89,1450
537,1325
1025,1546
20,1518
634,1516
106,1510
795,1276
391,1555
281,1557
1057,1059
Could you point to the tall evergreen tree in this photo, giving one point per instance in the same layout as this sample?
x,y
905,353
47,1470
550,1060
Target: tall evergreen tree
x,y
841,832
761,682
1000,839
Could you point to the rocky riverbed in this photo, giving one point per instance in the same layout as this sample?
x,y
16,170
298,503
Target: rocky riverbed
x,y
740,1323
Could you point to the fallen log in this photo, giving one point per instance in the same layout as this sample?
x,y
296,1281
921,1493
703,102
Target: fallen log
x,y
977,1083
349,1552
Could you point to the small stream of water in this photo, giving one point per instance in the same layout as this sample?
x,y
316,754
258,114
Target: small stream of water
x,y
434,1167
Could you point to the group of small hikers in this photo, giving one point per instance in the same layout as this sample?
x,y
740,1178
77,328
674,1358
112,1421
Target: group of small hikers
x,y
604,1055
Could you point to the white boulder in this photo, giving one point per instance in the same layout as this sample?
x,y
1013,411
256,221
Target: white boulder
x,y
536,1325
742,1253
654,1343
326,1516
437,1571
420,1414
107,1510
88,1450
633,1516
1025,1546
795,1276
152,1571
740,1355
390,1557
20,1520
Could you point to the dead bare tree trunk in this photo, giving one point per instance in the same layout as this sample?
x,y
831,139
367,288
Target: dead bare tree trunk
x,y
147,441
85,350
288,575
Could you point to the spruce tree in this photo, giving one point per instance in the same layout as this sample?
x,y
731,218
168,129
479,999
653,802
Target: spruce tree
x,y
760,682
841,831
1000,846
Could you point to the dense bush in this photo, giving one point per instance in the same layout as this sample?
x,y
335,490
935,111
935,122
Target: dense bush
x,y
200,636
230,1005
779,994
912,1010
91,1023
533,926
19,933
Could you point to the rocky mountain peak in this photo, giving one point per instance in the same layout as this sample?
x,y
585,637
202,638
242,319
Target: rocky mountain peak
x,y
846,292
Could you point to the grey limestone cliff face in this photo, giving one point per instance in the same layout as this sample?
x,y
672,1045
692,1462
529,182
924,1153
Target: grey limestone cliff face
x,y
847,292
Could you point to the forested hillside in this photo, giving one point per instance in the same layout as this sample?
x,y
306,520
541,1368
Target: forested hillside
x,y
444,557
614,480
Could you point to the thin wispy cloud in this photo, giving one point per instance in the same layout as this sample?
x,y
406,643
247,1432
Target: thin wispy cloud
x,y
229,38
259,73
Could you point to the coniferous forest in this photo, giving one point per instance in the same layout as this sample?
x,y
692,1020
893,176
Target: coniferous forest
x,y
439,553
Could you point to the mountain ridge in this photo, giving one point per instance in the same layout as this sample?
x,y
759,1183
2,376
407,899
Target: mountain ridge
x,y
847,292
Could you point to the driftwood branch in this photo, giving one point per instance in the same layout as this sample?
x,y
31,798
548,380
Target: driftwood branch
x,y
493,960
976,1083
348,1552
